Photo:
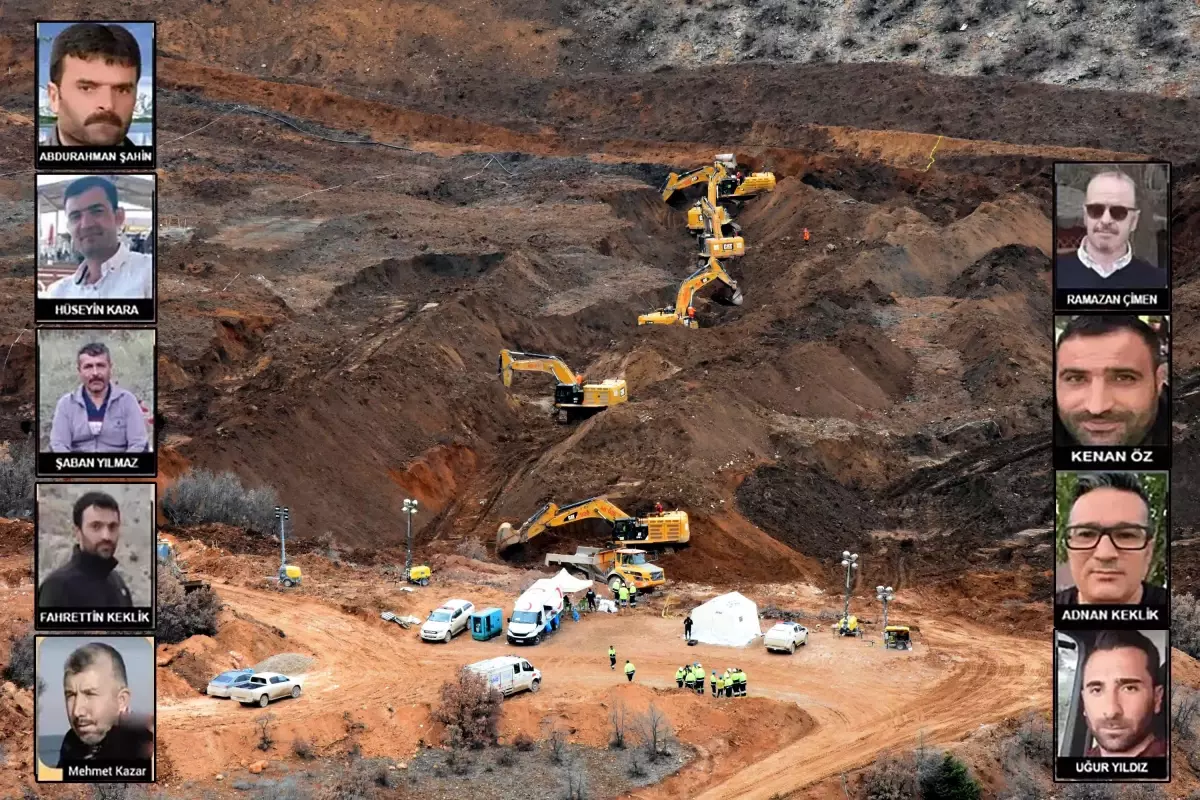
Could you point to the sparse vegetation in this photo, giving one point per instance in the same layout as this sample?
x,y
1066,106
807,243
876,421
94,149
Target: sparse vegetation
x,y
618,720
470,709
200,497
909,43
636,769
654,729
1185,624
1185,707
576,782
20,666
558,745
182,614
1029,56
925,773
523,742
287,789
16,481
952,49
303,749
505,758
264,721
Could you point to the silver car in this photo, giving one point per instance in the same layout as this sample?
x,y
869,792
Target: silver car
x,y
264,687
223,683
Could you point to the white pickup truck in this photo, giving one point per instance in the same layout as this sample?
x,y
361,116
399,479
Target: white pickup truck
x,y
786,636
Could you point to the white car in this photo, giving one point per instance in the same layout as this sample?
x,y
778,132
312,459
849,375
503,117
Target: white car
x,y
786,636
264,687
447,621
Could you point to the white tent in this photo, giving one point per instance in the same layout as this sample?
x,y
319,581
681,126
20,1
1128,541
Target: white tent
x,y
730,620
569,583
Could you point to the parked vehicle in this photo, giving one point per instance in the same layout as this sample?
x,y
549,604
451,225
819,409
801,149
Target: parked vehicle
x,y
487,624
264,687
220,685
509,674
786,636
536,613
446,622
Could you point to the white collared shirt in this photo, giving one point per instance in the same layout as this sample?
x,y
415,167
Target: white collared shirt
x,y
125,276
1102,271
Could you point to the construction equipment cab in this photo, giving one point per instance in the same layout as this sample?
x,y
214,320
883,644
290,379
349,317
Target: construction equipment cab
x,y
573,397
614,566
683,189
683,313
669,527
713,241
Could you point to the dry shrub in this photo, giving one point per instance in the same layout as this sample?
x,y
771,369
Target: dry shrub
x,y
470,709
182,614
20,666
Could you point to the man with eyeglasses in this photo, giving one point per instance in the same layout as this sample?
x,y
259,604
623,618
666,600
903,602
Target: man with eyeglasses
x,y
1104,259
1110,543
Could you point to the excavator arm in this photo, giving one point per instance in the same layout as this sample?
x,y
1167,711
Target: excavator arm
x,y
511,360
551,516
711,271
677,182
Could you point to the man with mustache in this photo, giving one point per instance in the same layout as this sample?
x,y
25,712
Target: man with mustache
x,y
99,416
1104,260
110,270
97,694
1110,543
1123,696
94,73
1110,380
89,579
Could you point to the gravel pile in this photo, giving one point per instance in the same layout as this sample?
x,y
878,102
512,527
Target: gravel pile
x,y
285,664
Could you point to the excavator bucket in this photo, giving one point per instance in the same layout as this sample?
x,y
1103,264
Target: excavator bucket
x,y
505,537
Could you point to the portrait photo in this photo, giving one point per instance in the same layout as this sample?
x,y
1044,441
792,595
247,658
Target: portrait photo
x,y
1112,228
95,556
94,709
95,93
95,257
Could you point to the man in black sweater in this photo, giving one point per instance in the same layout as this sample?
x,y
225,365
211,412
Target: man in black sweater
x,y
89,579
1104,260
1110,543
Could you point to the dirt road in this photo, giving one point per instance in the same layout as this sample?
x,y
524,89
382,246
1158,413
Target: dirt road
x,y
857,698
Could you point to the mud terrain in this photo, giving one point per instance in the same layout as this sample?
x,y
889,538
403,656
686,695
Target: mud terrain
x,y
358,215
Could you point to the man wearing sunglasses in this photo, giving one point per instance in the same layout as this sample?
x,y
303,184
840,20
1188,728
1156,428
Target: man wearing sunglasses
x,y
1104,259
1110,543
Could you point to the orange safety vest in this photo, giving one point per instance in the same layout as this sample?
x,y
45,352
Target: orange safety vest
x,y
806,234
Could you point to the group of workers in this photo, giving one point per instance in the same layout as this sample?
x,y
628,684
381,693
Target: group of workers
x,y
732,683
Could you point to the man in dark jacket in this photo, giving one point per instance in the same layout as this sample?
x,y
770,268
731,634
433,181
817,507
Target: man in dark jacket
x,y
98,697
1110,376
1110,543
89,579
1104,260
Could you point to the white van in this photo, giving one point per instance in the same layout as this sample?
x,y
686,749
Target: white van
x,y
448,620
509,674
535,608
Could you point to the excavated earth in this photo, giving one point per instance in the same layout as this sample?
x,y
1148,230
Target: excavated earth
x,y
331,315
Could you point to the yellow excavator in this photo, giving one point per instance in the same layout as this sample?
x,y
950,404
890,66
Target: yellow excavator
x,y
572,397
681,189
659,528
683,313
713,241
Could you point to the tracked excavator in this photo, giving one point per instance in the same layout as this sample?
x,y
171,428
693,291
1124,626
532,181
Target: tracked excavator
x,y
683,189
683,313
573,399
713,241
661,528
